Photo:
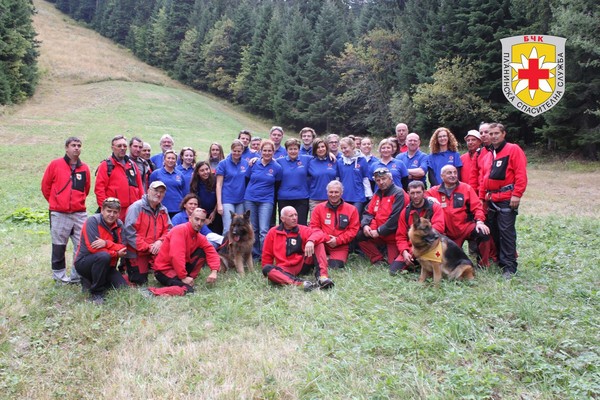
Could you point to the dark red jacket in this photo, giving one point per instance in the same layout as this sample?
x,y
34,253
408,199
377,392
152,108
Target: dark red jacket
x,y
124,182
404,222
184,245
383,210
341,221
143,226
508,167
95,228
66,189
286,249
461,207
470,170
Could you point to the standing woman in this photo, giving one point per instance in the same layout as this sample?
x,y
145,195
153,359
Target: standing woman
x,y
204,185
231,184
174,181
264,179
321,170
396,167
187,156
443,151
294,182
215,156
354,175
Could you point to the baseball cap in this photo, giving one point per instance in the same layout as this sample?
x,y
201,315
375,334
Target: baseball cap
x,y
157,184
473,133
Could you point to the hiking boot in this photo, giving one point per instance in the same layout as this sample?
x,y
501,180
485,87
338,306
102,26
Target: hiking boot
x,y
508,275
325,283
398,267
97,299
60,277
309,286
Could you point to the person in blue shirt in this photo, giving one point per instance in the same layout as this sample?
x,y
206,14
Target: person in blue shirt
x,y
187,155
169,175
203,185
307,137
264,177
231,184
215,155
246,138
276,135
293,190
414,159
188,205
333,142
322,169
443,148
166,143
396,167
354,174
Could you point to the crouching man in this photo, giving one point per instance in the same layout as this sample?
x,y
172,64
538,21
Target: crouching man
x,y
99,249
184,252
290,250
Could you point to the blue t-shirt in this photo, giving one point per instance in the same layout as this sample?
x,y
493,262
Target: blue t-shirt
x,y
396,167
279,153
208,200
187,177
437,160
351,176
175,183
234,180
419,160
294,179
261,187
321,172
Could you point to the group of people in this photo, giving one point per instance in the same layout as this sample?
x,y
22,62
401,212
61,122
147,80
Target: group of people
x,y
152,210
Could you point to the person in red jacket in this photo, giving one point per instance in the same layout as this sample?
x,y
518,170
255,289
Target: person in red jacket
x,y
99,249
183,254
65,185
339,221
425,208
118,176
470,172
463,214
503,185
290,250
380,219
144,230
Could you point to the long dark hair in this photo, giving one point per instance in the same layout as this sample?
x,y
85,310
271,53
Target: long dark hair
x,y
209,183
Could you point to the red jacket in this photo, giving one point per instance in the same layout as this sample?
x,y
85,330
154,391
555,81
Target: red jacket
x,y
95,228
124,182
470,170
184,245
143,226
66,189
286,249
508,167
461,207
383,210
341,221
404,222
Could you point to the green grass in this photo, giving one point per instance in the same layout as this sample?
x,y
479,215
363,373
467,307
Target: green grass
x,y
372,337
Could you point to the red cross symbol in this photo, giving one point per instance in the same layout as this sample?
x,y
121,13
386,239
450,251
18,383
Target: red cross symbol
x,y
437,254
534,73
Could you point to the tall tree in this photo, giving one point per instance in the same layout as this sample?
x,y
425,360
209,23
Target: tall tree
x,y
219,58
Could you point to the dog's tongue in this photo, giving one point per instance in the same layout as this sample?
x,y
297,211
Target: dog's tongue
x,y
236,238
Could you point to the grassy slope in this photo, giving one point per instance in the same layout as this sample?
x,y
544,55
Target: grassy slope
x,y
370,337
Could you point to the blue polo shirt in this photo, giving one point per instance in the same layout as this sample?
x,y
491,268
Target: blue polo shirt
x,y
371,161
396,167
321,172
351,176
280,153
248,154
261,187
419,160
234,180
437,160
294,179
187,177
175,185
306,152
158,160
208,200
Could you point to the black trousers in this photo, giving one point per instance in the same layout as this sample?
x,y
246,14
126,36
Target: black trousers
x,y
501,219
97,274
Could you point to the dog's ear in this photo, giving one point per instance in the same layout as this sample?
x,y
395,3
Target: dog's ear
x,y
247,215
232,214
416,218
429,213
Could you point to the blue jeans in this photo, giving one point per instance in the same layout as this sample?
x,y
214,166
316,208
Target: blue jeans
x,y
227,208
260,217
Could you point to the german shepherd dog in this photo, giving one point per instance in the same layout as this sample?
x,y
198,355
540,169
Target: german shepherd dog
x,y
437,254
237,249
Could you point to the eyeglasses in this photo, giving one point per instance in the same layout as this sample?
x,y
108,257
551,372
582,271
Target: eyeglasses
x,y
111,201
186,148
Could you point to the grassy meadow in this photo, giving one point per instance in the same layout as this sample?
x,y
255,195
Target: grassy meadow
x,y
372,337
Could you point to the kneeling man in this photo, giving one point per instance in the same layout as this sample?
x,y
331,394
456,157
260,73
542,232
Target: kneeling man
x,y
290,250
184,252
